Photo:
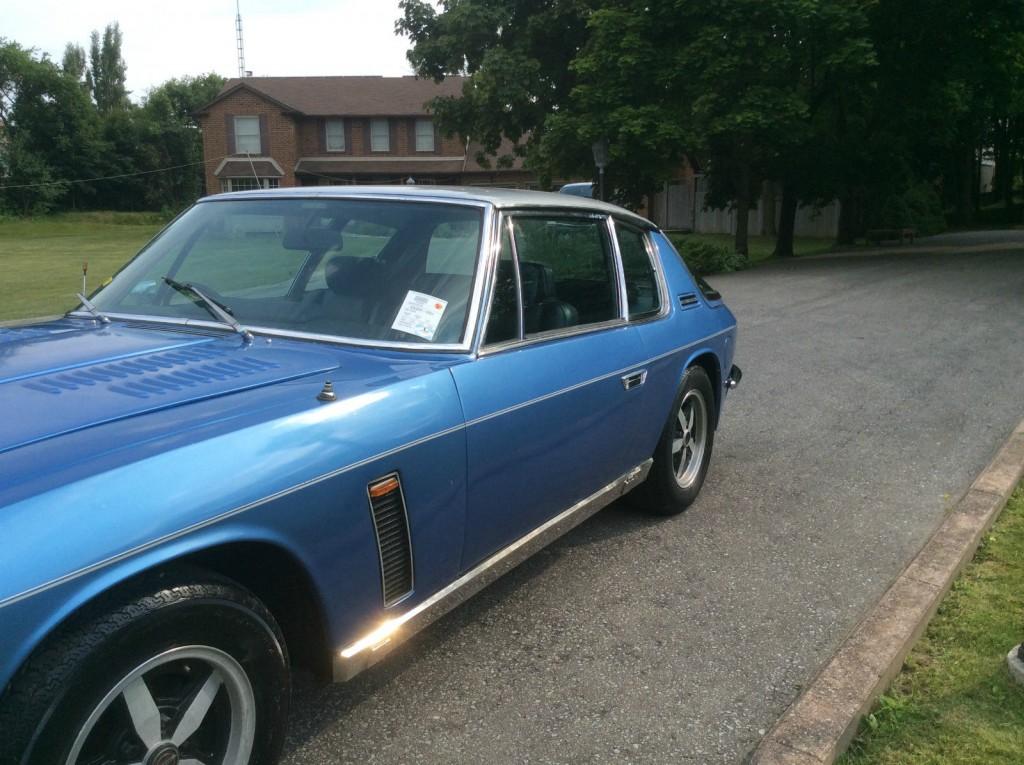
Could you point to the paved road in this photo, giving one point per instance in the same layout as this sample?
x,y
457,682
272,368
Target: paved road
x,y
874,389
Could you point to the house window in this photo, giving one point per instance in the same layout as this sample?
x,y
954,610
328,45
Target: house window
x,y
335,135
380,135
424,135
249,184
247,135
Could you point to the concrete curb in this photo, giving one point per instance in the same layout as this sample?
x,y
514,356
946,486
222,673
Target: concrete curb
x,y
820,724
1016,663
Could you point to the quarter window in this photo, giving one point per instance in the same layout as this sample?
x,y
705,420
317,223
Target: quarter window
x,y
642,291
247,135
503,324
424,135
335,135
380,135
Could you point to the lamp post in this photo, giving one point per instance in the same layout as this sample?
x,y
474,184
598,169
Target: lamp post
x,y
600,149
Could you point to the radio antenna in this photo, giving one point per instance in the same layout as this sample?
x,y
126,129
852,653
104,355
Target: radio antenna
x,y
238,35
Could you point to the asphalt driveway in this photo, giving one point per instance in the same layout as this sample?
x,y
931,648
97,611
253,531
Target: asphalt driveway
x,y
874,389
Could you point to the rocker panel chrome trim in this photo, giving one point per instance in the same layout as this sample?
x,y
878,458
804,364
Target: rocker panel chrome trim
x,y
352,659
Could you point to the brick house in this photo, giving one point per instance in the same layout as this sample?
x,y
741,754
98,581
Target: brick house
x,y
266,132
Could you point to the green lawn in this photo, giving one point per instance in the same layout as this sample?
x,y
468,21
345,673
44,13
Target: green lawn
x,y
955,702
41,258
762,247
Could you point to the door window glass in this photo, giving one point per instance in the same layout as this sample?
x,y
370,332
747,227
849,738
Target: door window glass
x,y
566,272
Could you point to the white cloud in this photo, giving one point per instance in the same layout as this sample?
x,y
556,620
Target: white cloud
x,y
171,39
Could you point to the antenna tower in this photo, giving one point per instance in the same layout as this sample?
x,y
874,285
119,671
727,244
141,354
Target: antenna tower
x,y
238,35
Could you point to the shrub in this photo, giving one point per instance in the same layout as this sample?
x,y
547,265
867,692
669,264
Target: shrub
x,y
918,206
709,258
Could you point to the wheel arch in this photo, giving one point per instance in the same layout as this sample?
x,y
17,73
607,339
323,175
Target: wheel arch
x,y
708,361
267,568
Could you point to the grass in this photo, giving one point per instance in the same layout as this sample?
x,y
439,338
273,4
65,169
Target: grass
x,y
41,258
955,702
762,247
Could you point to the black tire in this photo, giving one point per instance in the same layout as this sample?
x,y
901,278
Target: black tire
x,y
48,703
662,493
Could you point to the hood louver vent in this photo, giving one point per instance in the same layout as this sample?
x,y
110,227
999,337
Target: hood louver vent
x,y
391,524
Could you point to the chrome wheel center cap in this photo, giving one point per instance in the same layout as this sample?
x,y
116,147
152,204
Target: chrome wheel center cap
x,y
163,754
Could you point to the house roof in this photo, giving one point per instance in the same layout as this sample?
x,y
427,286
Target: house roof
x,y
357,96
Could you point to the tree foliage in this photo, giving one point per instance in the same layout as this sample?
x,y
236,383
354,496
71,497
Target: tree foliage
x,y
861,100
62,127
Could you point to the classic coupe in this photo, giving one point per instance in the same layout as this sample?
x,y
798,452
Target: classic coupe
x,y
302,424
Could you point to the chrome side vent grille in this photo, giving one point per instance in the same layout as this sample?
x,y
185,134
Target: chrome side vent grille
x,y
391,523
688,300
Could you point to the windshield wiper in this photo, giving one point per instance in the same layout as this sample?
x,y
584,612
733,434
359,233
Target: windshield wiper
x,y
96,313
221,312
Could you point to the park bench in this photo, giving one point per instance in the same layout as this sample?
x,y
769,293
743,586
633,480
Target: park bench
x,y
901,235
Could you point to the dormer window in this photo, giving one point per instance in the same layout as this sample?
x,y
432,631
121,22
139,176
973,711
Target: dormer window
x,y
380,135
247,135
335,135
424,135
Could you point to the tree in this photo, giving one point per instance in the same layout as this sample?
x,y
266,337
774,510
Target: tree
x,y
51,129
73,64
517,55
173,134
107,70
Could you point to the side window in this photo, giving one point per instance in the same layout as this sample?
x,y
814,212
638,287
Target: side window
x,y
503,323
566,272
641,281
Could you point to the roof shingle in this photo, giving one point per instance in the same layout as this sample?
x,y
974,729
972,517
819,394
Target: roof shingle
x,y
357,96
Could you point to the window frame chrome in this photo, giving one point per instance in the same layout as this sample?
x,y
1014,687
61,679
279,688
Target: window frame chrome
x,y
506,217
659,273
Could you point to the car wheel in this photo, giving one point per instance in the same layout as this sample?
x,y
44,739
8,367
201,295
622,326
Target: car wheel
x,y
683,453
186,671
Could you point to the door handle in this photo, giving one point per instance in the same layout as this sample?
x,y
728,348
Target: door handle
x,y
634,379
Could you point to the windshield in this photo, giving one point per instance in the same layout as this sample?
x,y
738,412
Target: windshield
x,y
370,270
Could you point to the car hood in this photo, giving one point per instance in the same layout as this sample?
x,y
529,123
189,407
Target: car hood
x,y
68,376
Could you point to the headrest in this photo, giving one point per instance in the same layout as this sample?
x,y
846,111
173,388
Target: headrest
x,y
538,282
352,276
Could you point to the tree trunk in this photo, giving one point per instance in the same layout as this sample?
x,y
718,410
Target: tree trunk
x,y
769,198
849,218
787,222
965,189
743,209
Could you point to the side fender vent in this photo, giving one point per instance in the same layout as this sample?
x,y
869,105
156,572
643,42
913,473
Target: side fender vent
x,y
688,300
391,524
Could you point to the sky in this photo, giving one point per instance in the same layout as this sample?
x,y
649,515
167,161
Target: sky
x,y
172,39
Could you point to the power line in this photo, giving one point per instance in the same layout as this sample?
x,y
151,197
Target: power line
x,y
111,177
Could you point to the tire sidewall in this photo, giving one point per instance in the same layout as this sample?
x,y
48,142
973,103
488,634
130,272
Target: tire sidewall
x,y
223,621
669,497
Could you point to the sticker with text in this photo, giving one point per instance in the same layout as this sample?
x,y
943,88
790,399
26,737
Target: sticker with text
x,y
420,314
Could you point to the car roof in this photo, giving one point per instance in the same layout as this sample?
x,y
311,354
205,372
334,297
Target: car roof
x,y
505,199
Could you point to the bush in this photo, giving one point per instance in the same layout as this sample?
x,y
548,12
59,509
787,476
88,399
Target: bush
x,y
918,206
708,258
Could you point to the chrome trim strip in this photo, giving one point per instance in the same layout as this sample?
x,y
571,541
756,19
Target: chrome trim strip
x,y
10,600
599,378
92,567
352,659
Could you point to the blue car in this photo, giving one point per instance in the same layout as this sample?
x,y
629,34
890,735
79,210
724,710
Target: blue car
x,y
302,424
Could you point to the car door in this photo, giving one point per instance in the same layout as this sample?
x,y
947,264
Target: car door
x,y
550,400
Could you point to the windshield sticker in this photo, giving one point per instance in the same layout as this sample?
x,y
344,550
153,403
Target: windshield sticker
x,y
420,314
